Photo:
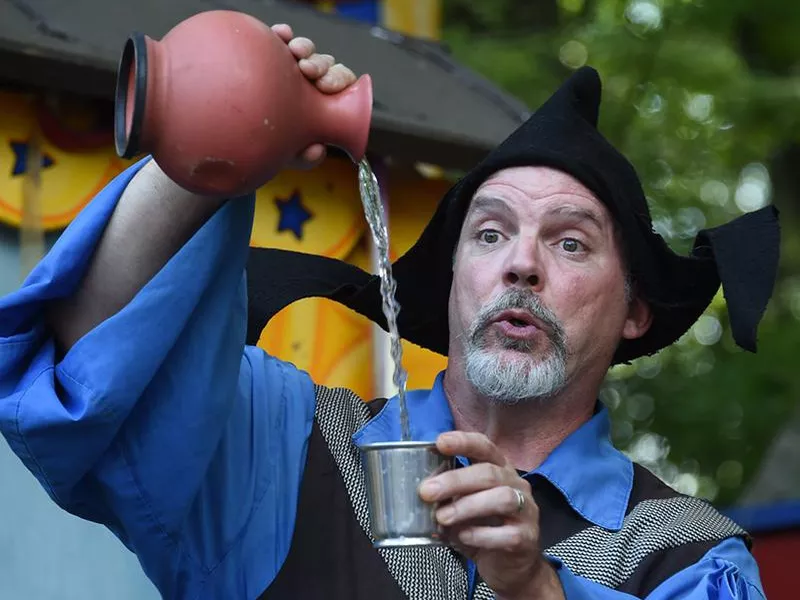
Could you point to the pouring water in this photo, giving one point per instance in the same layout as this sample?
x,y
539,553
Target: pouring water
x,y
373,210
393,470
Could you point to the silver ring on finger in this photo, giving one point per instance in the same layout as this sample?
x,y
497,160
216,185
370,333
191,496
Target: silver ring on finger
x,y
520,500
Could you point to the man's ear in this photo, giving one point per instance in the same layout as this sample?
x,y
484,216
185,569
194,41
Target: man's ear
x,y
639,319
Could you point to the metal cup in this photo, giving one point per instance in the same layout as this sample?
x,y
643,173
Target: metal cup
x,y
393,472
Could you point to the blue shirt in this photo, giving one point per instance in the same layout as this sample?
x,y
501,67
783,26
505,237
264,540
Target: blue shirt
x,y
189,446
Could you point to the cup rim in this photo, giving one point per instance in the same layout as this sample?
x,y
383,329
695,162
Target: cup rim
x,y
397,445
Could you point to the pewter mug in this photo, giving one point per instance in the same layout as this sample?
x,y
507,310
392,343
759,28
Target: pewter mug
x,y
393,472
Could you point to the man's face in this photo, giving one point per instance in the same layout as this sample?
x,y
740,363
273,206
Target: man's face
x,y
538,296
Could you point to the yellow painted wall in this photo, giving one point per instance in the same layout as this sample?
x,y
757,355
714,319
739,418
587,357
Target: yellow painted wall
x,y
67,185
420,18
332,343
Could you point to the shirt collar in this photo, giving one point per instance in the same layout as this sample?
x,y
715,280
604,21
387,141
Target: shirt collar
x,y
428,416
594,477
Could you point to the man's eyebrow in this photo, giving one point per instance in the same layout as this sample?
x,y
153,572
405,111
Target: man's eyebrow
x,y
579,213
489,204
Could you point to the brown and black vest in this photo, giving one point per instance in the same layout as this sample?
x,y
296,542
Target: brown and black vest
x,y
331,555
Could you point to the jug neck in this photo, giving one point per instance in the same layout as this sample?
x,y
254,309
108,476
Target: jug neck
x,y
138,95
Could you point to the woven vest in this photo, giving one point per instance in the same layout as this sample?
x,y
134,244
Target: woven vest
x,y
331,554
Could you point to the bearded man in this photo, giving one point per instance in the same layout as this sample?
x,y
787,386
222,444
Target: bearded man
x,y
131,386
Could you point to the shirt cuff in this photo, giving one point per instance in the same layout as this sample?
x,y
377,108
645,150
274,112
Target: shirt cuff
x,y
573,589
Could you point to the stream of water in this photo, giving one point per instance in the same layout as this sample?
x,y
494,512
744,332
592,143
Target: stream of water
x,y
373,210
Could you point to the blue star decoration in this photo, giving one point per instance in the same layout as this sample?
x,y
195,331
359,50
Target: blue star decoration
x,y
20,150
292,214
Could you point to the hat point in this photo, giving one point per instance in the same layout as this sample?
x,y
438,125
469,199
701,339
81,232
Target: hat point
x,y
579,96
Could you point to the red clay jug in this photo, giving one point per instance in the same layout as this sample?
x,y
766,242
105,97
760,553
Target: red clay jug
x,y
221,105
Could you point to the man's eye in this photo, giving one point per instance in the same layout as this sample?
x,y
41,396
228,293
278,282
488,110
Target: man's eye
x,y
571,245
489,236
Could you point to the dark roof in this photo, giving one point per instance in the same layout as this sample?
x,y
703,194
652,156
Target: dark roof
x,y
427,107
778,476
767,518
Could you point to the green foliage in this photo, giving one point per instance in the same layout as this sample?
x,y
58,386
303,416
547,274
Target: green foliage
x,y
703,96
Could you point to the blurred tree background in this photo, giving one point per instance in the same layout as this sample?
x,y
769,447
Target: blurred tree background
x,y
703,96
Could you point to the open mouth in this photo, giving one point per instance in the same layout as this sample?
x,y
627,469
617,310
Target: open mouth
x,y
518,318
518,324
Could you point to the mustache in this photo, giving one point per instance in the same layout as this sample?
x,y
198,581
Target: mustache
x,y
515,298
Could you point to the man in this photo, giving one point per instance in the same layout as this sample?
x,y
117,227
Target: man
x,y
129,391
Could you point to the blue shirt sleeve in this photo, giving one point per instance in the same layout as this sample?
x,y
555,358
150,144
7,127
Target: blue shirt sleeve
x,y
727,572
160,423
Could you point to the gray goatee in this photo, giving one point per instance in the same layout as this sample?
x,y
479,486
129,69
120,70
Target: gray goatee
x,y
523,376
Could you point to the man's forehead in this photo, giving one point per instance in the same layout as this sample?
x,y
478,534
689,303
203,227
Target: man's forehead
x,y
537,181
574,200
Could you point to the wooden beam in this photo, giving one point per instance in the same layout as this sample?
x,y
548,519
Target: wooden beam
x,y
31,232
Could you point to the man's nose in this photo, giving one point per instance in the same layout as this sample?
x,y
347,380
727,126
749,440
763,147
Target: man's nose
x,y
523,267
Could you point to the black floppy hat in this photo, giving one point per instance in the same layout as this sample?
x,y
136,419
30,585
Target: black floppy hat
x,y
742,255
